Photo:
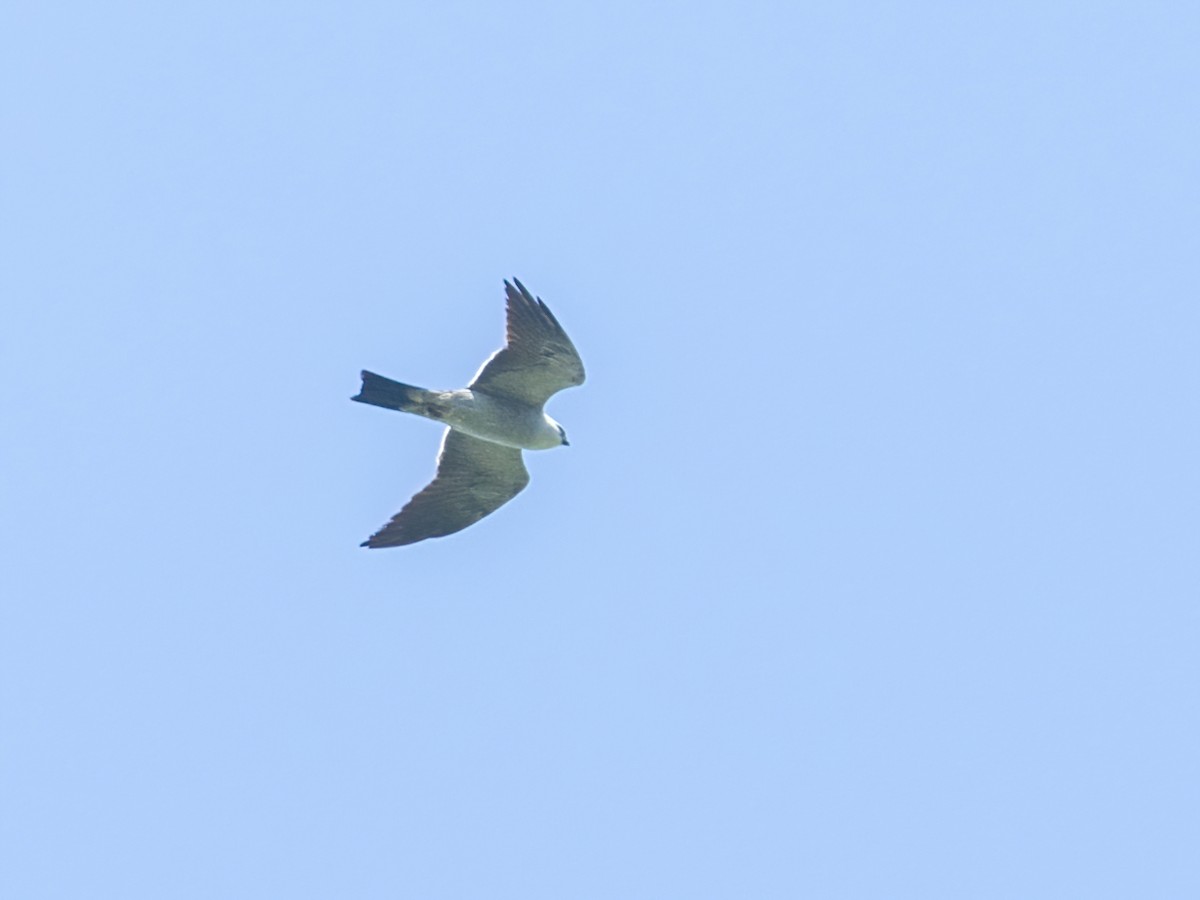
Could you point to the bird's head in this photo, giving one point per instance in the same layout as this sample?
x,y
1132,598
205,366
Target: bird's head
x,y
559,430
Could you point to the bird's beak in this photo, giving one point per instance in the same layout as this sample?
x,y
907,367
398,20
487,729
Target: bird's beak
x,y
566,443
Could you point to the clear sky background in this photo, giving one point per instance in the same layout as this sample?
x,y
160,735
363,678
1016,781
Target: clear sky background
x,y
872,570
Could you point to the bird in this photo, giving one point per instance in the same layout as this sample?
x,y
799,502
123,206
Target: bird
x,y
488,423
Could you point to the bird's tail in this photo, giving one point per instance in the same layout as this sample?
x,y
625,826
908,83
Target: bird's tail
x,y
380,391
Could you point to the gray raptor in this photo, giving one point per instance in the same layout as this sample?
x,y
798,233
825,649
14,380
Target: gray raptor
x,y
499,414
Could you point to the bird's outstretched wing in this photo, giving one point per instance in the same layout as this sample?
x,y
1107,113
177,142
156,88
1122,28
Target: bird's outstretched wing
x,y
539,359
473,478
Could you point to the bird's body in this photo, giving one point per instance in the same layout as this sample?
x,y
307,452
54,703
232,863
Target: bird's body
x,y
488,423
494,419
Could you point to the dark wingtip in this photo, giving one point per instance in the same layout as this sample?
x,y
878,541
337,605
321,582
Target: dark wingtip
x,y
524,291
525,294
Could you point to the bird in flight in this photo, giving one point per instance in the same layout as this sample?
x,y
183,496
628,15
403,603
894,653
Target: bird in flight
x,y
489,423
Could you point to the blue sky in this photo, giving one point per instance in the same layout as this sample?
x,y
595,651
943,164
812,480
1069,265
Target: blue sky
x,y
871,570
